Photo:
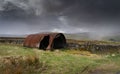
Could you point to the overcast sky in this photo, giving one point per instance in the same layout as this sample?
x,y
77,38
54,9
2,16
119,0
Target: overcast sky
x,y
67,16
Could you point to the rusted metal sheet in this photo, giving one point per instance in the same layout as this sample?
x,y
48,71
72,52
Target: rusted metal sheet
x,y
45,41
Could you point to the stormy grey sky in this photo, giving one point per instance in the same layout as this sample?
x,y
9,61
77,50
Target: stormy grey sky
x,y
67,16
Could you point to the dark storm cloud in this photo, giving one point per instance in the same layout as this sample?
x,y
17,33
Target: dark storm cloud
x,y
100,16
74,8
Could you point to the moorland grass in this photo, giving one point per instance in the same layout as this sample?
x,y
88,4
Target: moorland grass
x,y
56,62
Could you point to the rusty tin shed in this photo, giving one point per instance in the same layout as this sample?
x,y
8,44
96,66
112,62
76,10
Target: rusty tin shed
x,y
45,41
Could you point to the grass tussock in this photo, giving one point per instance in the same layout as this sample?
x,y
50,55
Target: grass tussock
x,y
22,65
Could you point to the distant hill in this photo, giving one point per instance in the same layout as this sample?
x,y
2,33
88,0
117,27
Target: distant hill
x,y
92,36
10,35
78,36
113,38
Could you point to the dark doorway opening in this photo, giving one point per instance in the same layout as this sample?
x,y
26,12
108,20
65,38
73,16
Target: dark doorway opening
x,y
44,43
59,42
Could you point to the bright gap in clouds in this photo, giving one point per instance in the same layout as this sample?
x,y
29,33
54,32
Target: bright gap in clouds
x,y
71,30
58,30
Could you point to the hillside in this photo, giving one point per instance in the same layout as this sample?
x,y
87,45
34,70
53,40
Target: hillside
x,y
113,37
78,36
92,36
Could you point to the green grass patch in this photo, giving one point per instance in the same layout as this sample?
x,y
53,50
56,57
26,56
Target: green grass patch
x,y
57,62
13,50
